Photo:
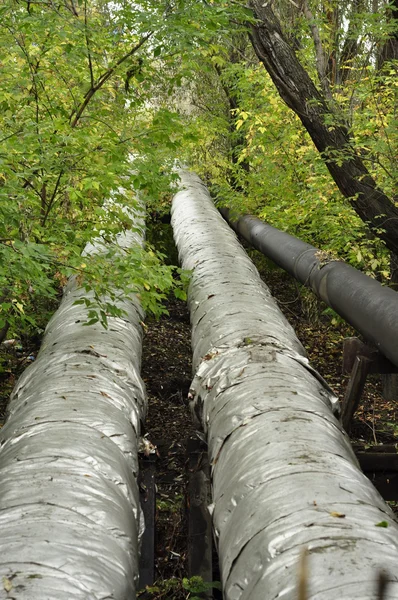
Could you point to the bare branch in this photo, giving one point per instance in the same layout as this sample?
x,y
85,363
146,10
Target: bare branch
x,y
321,60
90,64
75,116
71,7
52,199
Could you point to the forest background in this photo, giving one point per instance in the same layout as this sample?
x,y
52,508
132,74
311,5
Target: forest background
x,y
287,109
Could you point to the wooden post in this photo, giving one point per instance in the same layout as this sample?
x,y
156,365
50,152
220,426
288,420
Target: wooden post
x,y
390,386
148,507
353,347
354,391
200,546
380,465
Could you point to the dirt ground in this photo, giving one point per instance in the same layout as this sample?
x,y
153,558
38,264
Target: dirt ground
x,y
166,370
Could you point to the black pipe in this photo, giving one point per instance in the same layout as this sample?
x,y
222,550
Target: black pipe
x,y
369,307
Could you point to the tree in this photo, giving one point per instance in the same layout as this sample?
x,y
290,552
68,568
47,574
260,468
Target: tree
x,y
389,49
259,143
77,100
325,124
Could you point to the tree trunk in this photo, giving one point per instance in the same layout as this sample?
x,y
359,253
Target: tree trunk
x,y
351,45
325,127
4,331
237,137
389,50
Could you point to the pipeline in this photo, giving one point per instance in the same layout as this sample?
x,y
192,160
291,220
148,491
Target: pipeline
x,y
284,476
363,302
69,500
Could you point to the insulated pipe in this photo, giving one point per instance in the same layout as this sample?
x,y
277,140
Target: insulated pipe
x,y
69,499
369,307
284,476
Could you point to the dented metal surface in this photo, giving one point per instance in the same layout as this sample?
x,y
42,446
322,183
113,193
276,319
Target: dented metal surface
x,y
284,475
69,499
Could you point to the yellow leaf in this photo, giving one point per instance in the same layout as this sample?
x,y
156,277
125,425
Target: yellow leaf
x,y
7,584
83,266
147,286
337,515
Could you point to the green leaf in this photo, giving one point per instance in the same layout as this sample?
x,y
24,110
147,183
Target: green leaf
x,y
92,321
180,294
382,524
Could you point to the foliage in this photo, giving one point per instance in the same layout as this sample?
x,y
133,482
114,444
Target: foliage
x,y
172,505
285,180
375,124
300,195
175,589
77,99
88,84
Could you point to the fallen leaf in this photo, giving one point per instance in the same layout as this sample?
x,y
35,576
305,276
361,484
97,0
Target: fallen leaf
x,y
382,524
7,584
337,515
